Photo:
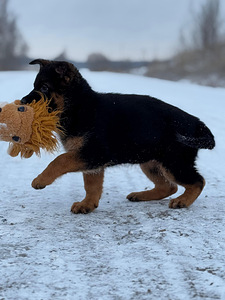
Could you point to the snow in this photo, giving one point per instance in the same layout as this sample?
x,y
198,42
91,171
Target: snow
x,y
122,250
3,125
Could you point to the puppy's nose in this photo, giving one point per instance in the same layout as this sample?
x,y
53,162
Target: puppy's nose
x,y
23,100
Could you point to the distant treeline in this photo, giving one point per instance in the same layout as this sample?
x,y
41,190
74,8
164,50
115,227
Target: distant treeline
x,y
200,58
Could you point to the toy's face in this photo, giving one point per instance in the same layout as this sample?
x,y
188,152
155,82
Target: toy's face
x,y
15,122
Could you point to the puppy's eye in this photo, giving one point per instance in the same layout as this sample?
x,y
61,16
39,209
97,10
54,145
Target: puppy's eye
x,y
44,88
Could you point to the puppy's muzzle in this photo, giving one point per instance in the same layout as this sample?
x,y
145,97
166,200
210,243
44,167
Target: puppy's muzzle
x,y
33,95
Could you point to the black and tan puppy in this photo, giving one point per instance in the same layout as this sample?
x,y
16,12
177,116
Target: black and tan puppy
x,y
103,130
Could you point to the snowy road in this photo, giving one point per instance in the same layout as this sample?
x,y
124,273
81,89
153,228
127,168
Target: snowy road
x,y
122,250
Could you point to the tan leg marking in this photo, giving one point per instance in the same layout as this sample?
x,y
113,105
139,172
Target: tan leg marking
x,y
93,184
189,196
74,143
163,186
64,163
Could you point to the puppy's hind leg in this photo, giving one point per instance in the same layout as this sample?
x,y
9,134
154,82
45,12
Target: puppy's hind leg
x,y
193,188
163,187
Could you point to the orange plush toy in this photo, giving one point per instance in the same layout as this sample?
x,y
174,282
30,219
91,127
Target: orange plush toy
x,y
29,127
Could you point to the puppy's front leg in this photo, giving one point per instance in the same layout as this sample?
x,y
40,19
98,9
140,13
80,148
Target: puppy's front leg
x,y
93,184
64,163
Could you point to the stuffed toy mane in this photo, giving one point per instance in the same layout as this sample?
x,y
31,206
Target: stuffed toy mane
x,y
29,127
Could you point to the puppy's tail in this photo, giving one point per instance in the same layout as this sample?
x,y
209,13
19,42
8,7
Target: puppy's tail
x,y
203,138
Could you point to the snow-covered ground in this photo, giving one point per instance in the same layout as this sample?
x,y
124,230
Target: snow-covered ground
x,y
122,250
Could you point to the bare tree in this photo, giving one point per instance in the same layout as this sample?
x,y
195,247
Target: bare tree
x,y
206,33
12,45
98,62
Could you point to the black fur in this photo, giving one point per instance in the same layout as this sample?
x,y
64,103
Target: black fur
x,y
121,129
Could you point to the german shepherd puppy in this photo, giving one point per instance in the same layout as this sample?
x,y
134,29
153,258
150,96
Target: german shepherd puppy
x,y
107,129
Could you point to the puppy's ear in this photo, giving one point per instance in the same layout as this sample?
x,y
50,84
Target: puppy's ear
x,y
61,70
39,61
64,71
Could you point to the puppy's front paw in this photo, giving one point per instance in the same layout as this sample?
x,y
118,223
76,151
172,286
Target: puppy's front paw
x,y
38,184
83,207
178,203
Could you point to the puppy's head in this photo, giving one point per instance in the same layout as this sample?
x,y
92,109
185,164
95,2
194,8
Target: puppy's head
x,y
53,80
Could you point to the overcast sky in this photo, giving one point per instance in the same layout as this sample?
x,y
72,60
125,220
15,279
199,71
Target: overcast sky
x,y
120,29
